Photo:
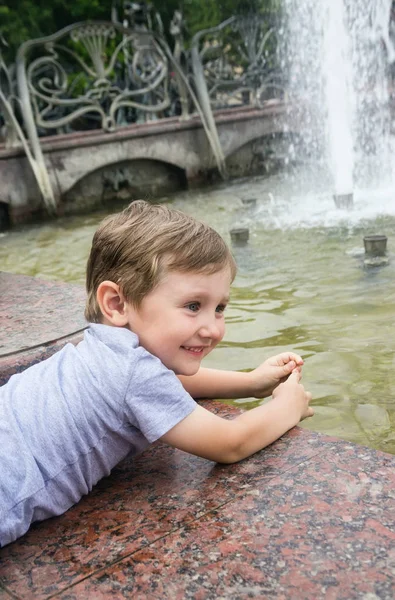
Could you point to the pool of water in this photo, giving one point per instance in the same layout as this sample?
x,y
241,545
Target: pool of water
x,y
302,285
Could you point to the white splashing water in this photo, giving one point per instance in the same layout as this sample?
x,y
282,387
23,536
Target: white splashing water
x,y
337,53
339,96
301,198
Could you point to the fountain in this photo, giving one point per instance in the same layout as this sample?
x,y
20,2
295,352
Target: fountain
x,y
338,52
294,289
339,102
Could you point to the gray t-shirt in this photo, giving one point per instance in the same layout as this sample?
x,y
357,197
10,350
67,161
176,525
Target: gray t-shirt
x,y
67,421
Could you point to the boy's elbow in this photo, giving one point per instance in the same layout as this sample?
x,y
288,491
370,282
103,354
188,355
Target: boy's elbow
x,y
235,449
229,459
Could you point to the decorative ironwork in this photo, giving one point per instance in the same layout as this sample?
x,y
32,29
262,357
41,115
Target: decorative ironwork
x,y
8,101
181,57
238,62
99,75
103,75
96,75
15,134
233,66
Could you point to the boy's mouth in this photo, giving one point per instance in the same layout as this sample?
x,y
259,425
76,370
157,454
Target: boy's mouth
x,y
194,349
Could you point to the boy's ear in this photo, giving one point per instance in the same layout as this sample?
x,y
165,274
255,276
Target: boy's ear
x,y
112,303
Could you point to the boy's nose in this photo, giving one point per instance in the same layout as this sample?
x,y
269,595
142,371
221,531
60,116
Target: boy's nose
x,y
212,330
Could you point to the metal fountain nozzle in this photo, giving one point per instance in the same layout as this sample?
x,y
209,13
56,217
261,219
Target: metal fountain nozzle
x,y
344,200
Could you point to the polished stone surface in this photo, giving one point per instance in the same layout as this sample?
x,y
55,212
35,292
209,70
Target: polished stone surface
x,y
310,517
37,318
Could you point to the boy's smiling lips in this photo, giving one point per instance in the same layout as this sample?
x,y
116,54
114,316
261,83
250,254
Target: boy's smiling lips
x,y
195,349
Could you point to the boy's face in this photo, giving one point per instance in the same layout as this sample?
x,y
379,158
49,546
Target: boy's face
x,y
182,319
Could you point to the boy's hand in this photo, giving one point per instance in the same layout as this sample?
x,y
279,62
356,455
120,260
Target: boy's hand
x,y
230,440
293,394
272,372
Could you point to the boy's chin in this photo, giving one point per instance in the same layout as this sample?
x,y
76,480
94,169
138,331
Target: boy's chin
x,y
187,371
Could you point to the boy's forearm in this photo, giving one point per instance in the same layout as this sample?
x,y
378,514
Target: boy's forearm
x,y
205,434
263,426
227,441
215,383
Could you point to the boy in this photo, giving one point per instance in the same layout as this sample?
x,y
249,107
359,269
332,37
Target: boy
x,y
158,283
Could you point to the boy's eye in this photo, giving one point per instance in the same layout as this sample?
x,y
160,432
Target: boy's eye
x,y
220,308
193,306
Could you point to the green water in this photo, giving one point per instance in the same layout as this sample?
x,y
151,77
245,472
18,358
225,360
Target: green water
x,y
302,285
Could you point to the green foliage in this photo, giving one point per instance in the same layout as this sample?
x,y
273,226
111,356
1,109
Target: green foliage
x,y
29,19
202,14
21,20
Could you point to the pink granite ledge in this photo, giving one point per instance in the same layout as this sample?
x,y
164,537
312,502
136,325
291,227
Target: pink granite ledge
x,y
37,318
309,517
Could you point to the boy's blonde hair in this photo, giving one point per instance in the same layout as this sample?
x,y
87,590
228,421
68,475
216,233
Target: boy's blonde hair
x,y
135,247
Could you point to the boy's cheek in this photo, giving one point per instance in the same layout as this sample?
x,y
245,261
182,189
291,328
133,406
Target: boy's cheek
x,y
217,342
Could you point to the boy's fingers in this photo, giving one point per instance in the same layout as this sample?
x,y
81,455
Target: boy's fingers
x,y
286,357
296,375
295,357
289,367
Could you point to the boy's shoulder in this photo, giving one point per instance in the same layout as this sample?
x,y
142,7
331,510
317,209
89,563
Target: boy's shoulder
x,y
112,350
111,336
116,358
118,349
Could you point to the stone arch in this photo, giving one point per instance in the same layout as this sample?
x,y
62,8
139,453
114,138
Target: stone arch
x,y
185,148
5,218
250,129
260,155
123,181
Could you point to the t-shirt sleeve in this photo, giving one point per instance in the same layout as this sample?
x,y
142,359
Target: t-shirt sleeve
x,y
155,399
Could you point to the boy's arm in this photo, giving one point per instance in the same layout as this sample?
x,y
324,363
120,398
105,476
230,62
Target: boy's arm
x,y
215,383
227,441
259,383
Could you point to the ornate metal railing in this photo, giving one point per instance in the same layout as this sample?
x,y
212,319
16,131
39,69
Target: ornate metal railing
x,y
14,133
103,75
8,102
234,65
237,62
95,75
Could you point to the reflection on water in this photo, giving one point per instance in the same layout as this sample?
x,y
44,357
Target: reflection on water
x,y
301,285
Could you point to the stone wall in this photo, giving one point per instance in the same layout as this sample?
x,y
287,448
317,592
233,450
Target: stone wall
x,y
127,180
